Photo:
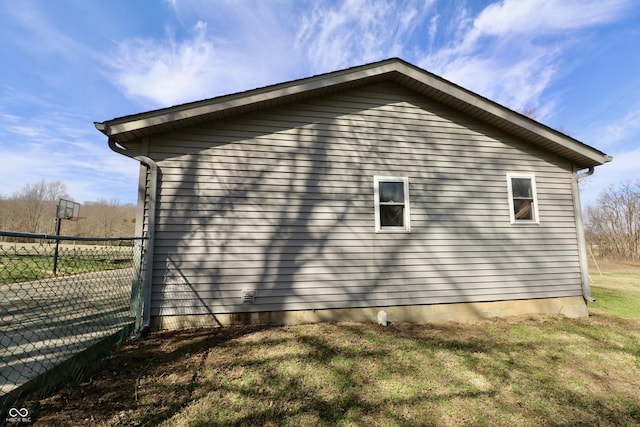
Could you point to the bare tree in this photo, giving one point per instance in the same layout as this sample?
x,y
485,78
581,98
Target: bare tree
x,y
104,218
530,112
613,223
35,201
33,209
4,213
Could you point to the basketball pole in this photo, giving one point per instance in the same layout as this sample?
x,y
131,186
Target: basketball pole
x,y
55,253
66,209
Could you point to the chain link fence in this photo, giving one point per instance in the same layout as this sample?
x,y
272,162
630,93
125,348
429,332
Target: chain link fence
x,y
64,303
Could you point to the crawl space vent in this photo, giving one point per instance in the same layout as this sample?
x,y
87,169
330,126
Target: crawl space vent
x,y
248,296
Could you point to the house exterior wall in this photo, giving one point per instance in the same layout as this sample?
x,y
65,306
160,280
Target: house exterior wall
x,y
281,202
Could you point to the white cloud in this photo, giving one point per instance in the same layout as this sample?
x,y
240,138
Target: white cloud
x,y
616,133
516,84
66,148
433,30
87,177
510,51
549,16
357,31
169,71
165,73
261,49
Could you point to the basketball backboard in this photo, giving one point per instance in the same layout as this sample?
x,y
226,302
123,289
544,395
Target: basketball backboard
x,y
68,209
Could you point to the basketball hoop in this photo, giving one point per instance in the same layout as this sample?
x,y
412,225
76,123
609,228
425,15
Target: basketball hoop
x,y
68,210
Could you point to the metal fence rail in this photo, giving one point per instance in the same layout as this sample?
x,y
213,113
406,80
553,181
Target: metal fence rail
x,y
63,317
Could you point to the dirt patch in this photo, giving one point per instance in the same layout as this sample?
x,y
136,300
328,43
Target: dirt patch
x,y
118,383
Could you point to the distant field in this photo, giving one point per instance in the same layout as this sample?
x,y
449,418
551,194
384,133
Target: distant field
x,y
616,288
525,371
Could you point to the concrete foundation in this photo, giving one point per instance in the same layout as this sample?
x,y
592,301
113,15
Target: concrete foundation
x,y
437,313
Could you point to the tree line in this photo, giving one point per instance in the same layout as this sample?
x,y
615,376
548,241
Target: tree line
x,y
33,210
612,224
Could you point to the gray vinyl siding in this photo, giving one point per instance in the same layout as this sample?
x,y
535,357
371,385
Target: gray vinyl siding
x,y
281,202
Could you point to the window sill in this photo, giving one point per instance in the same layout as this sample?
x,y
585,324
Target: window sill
x,y
525,222
393,231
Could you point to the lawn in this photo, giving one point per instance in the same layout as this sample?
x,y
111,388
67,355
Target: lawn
x,y
526,371
616,288
22,263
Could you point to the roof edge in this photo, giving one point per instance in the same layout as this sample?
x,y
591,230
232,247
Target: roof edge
x,y
220,103
135,126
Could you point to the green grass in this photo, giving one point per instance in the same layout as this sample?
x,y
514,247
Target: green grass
x,y
24,264
526,371
616,290
624,303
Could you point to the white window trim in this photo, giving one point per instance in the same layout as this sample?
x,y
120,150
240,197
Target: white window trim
x,y
512,215
406,228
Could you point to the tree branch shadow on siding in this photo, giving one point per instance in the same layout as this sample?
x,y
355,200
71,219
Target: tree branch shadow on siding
x,y
230,235
281,258
511,262
284,266
180,280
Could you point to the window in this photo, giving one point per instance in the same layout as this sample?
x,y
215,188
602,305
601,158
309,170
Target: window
x,y
523,202
392,212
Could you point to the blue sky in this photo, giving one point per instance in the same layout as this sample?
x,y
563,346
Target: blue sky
x,y
67,63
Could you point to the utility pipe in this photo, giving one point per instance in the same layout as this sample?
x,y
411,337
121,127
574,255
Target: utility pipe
x,y
151,224
582,246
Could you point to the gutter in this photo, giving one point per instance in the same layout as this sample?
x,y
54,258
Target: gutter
x,y
152,167
582,245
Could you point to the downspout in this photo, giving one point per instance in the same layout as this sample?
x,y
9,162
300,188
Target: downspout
x,y
582,246
151,218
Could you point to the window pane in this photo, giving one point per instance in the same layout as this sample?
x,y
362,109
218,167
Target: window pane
x,y
522,209
392,192
392,215
521,187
